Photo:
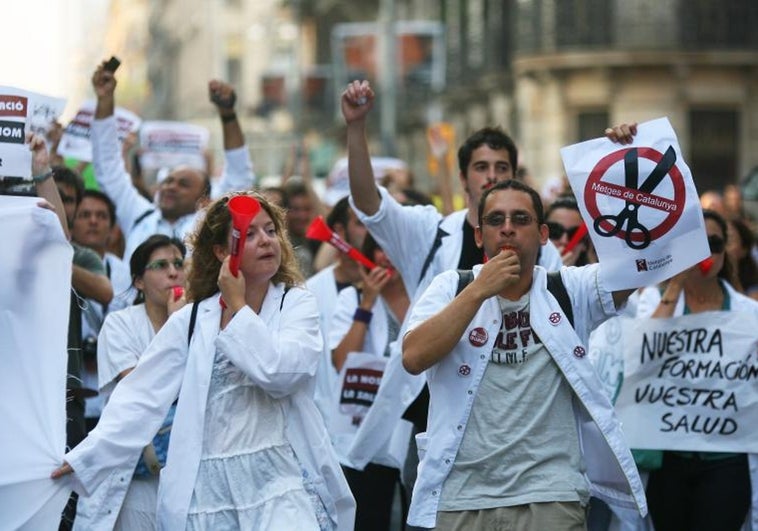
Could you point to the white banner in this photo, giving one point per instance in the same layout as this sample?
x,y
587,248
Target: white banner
x,y
640,205
171,144
691,383
75,142
35,287
359,382
15,157
42,110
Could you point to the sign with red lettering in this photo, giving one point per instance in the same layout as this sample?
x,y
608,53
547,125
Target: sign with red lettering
x,y
640,205
15,157
691,382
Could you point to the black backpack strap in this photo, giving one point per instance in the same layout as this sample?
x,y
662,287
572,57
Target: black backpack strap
x,y
193,318
465,277
281,304
142,217
435,247
556,287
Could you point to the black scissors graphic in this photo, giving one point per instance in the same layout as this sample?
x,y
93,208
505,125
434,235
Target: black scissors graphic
x,y
628,215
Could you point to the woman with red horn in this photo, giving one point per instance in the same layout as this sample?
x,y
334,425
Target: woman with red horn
x,y
248,448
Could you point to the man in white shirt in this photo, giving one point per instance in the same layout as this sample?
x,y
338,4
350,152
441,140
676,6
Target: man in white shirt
x,y
520,432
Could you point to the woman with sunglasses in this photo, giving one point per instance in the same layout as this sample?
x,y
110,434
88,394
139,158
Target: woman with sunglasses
x,y
700,490
563,220
157,270
248,448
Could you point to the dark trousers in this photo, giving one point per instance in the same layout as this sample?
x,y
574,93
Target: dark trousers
x,y
693,494
373,489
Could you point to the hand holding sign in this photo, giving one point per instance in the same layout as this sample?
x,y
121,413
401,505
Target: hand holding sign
x,y
639,203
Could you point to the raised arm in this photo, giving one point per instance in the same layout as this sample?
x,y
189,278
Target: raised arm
x,y
42,176
353,341
357,101
107,159
238,168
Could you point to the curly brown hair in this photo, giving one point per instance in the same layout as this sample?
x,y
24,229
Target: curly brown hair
x,y
214,230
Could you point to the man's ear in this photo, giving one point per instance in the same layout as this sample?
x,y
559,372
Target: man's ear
x,y
220,251
544,233
478,236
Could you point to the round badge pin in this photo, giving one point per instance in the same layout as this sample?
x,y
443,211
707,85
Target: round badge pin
x,y
464,370
555,318
478,336
579,352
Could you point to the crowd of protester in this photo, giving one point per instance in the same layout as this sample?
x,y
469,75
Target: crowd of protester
x,y
309,391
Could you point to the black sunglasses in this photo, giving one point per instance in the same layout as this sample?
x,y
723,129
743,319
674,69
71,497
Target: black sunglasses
x,y
556,231
716,243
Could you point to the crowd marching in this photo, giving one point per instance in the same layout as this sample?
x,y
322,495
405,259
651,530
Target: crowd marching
x,y
438,380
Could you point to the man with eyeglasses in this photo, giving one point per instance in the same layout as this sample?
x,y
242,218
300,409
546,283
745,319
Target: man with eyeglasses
x,y
421,244
92,226
184,190
520,430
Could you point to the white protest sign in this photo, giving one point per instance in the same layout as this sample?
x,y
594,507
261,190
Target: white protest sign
x,y
691,383
15,157
171,144
640,205
75,142
359,382
42,110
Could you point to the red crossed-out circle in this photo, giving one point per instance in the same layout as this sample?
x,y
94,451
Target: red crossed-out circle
x,y
595,177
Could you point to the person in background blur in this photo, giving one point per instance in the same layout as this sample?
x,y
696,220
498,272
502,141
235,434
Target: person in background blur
x,y
563,220
709,491
301,208
157,267
739,247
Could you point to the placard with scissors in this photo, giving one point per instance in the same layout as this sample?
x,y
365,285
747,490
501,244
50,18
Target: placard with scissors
x,y
640,205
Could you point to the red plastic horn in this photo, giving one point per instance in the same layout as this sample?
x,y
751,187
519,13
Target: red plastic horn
x,y
580,233
243,209
705,266
319,230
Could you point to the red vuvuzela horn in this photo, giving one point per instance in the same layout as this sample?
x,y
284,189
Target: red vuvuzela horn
x,y
580,233
705,266
243,209
319,230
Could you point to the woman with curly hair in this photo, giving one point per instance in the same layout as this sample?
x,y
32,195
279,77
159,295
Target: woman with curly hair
x,y
248,448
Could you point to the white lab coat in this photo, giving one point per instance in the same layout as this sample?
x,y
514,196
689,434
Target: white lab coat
x,y
277,350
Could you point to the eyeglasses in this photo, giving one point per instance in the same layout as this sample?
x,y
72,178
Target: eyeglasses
x,y
716,243
162,265
519,219
556,231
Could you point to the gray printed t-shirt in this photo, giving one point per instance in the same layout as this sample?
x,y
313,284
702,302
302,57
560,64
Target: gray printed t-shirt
x,y
521,444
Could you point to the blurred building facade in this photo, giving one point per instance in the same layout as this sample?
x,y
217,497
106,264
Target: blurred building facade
x,y
551,72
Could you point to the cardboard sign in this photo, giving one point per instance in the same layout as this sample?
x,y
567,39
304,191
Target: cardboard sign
x,y
691,383
640,205
172,144
75,142
42,110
